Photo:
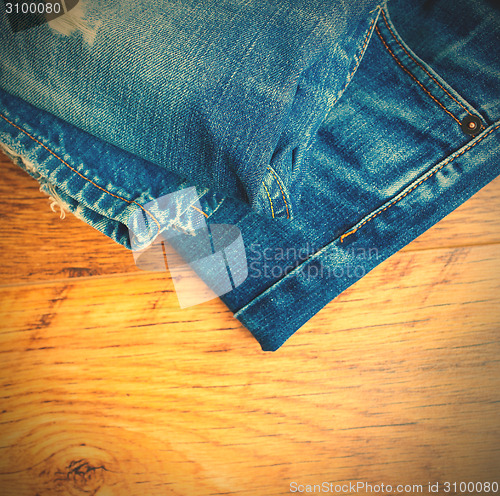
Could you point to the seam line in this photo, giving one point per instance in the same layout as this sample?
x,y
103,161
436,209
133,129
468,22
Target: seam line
x,y
419,64
362,51
198,210
361,55
372,216
414,77
87,179
367,37
79,173
282,192
270,201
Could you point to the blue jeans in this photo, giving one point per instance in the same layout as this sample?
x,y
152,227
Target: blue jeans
x,y
331,136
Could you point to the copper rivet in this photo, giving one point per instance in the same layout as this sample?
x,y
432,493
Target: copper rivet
x,y
471,125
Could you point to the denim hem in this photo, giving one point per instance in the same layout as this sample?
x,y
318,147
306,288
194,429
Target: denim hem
x,y
89,178
447,177
273,319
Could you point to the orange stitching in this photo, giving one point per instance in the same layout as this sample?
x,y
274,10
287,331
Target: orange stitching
x,y
341,91
282,193
201,211
414,78
358,62
345,86
79,173
352,231
270,201
420,65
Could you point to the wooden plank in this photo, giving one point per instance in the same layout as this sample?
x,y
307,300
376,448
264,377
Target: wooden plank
x,y
39,246
109,389
477,221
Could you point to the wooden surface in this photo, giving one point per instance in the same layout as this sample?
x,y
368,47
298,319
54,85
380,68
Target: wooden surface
x,y
108,389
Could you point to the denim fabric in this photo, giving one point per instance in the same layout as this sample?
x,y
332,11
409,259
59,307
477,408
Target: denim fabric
x,y
380,159
226,93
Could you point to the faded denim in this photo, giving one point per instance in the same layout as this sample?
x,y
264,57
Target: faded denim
x,y
330,136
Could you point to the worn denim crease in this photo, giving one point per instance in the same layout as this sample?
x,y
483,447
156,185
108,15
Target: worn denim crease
x,y
80,174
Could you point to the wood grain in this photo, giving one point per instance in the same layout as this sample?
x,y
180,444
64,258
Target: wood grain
x,y
38,245
109,389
